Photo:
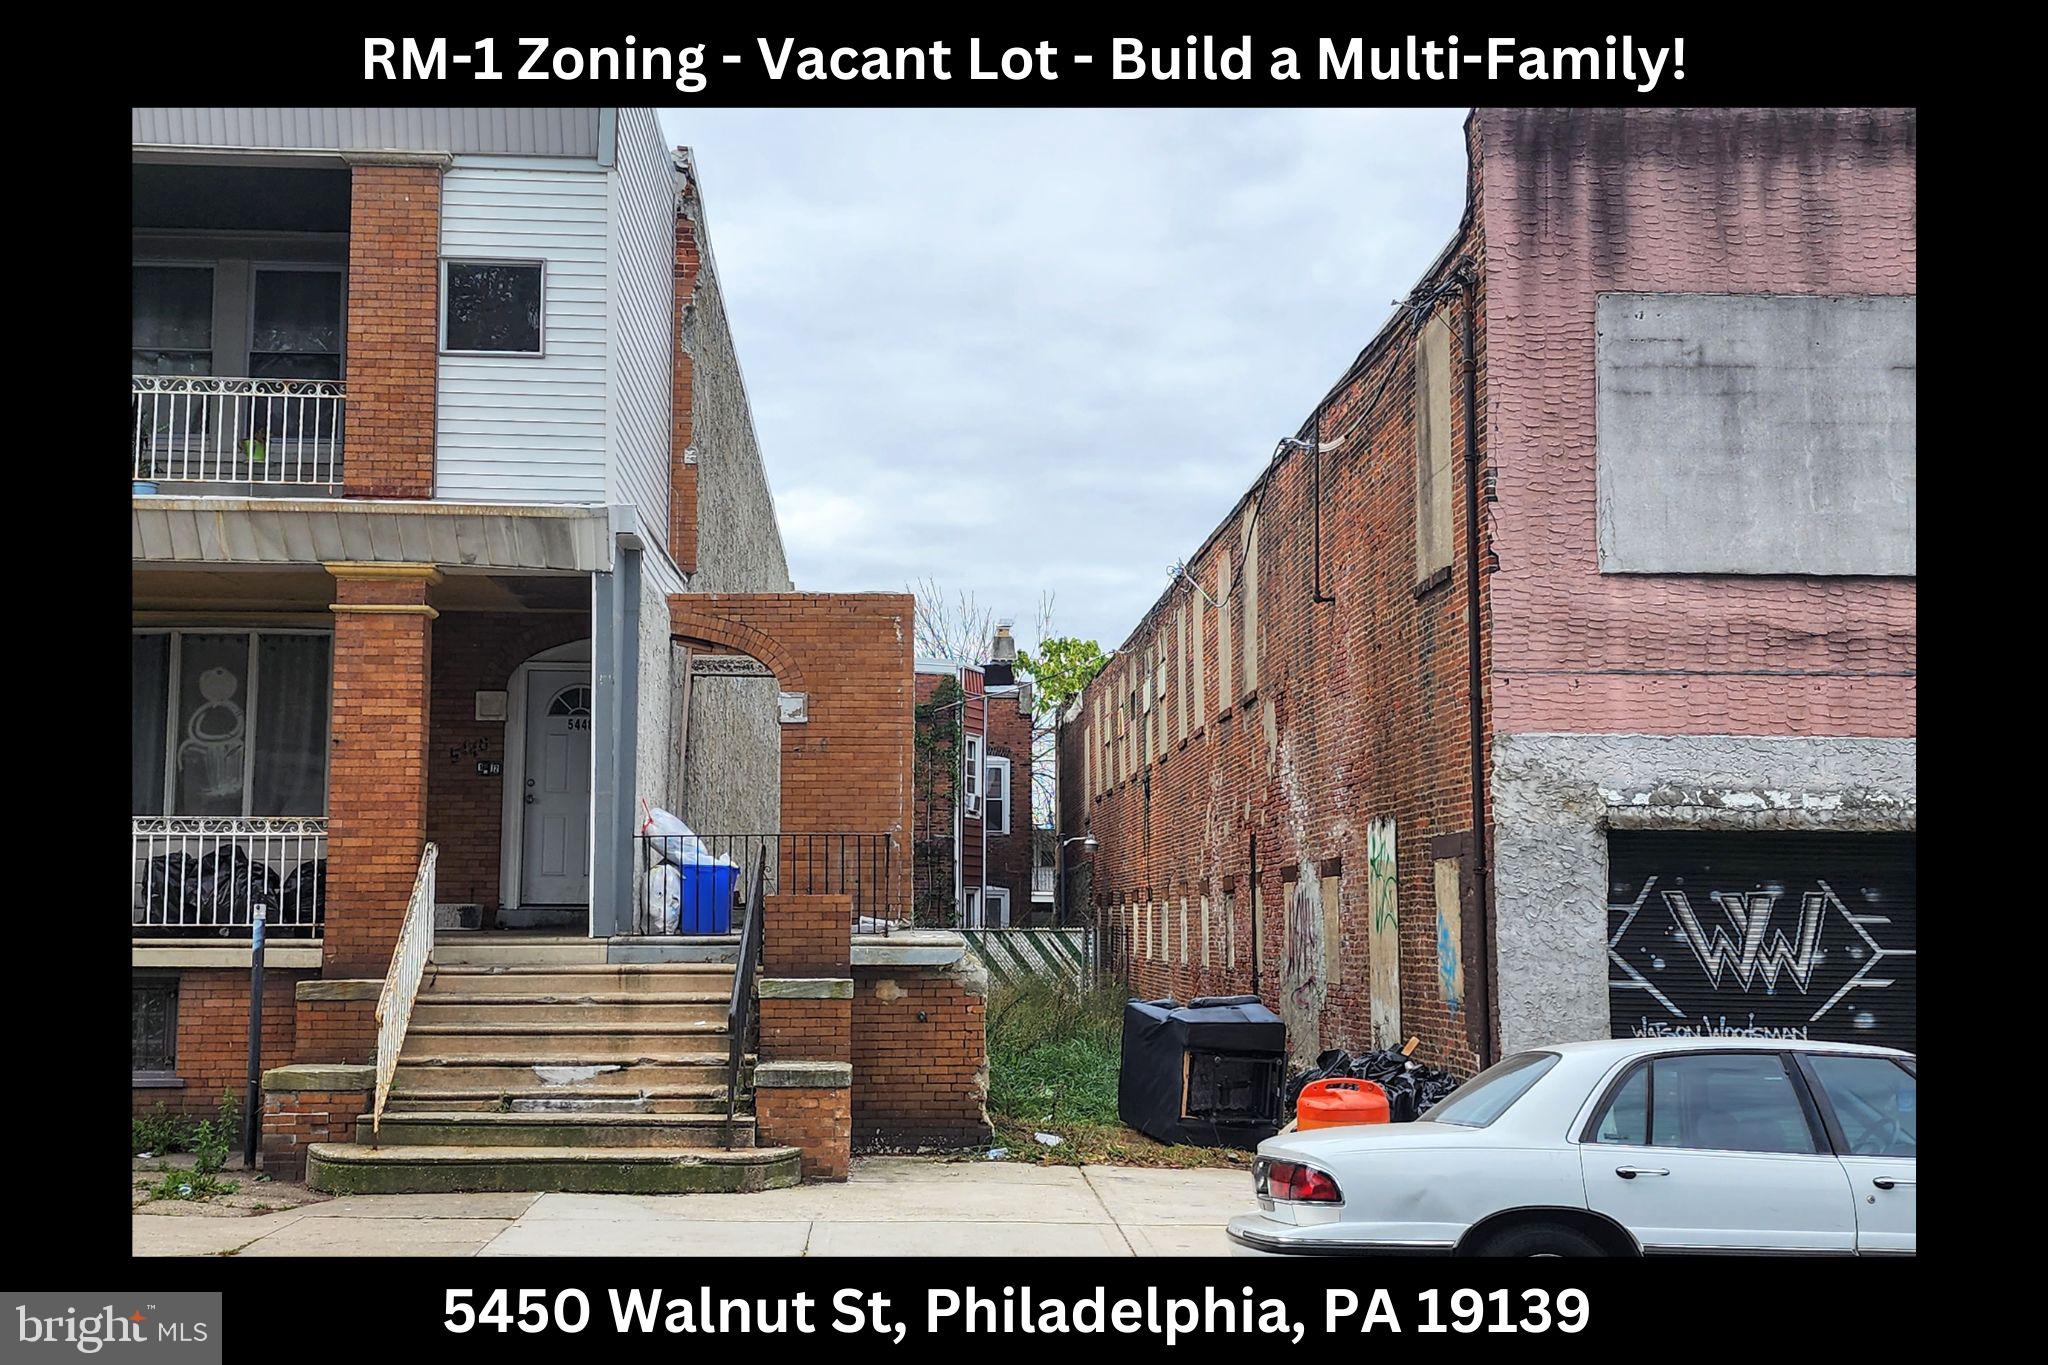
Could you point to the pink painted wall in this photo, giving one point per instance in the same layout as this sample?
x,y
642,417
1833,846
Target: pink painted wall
x,y
1581,202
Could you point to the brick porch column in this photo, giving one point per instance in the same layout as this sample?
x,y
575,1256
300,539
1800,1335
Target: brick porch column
x,y
803,1083
377,771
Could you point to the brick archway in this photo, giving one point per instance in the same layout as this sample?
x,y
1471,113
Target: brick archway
x,y
847,766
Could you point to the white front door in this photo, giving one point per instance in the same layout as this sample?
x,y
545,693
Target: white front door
x,y
554,863
1714,1151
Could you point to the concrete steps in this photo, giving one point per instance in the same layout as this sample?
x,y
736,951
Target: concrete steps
x,y
535,1064
459,1128
355,1168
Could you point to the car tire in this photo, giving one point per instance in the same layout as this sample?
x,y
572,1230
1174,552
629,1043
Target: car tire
x,y
1540,1239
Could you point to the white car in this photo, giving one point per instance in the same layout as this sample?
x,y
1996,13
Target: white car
x,y
1615,1148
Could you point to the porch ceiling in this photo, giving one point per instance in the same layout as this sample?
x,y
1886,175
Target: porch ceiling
x,y
245,589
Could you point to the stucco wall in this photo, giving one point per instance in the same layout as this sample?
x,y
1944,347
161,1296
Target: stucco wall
x,y
733,769
1582,202
1557,795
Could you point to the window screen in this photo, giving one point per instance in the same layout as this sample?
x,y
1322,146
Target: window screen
x,y
493,306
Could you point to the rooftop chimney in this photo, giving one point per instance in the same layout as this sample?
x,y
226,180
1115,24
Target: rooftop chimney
x,y
1003,649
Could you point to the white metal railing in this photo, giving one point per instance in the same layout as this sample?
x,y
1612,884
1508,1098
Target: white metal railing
x,y
204,429
192,872
402,982
1041,882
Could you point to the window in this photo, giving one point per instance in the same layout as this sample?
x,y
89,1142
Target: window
x,y
1433,468
573,700
1710,1101
998,816
971,918
153,1025
295,324
1876,1103
229,723
970,792
170,328
998,907
1484,1098
492,307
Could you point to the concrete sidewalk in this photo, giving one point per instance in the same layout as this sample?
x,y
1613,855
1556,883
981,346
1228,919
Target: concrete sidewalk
x,y
892,1206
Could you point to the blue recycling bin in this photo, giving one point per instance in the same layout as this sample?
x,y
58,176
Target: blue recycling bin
x,y
707,898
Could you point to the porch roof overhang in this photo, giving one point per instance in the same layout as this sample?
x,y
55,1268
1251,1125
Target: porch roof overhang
x,y
454,535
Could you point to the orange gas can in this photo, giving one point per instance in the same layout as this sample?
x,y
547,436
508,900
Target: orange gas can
x,y
1339,1100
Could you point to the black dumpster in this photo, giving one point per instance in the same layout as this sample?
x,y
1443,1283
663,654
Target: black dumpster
x,y
1207,1072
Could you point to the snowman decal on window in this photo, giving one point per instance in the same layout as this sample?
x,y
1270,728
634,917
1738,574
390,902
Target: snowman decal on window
x,y
212,749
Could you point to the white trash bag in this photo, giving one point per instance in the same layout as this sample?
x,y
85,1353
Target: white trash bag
x,y
672,840
664,899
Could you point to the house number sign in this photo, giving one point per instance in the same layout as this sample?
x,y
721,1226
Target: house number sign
x,y
795,707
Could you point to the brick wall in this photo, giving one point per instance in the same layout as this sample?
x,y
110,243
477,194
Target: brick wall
x,y
920,1070
812,1119
806,1030
336,1021
682,499
1358,712
213,1036
294,1119
393,330
848,767
1580,202
377,779
477,651
806,936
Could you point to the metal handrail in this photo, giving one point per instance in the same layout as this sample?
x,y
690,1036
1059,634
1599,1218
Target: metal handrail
x,y
225,429
739,1014
402,982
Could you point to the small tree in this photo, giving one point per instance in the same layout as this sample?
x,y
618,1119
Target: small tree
x,y
1059,668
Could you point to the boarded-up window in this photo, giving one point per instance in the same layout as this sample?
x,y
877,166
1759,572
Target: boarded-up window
x,y
1180,691
1206,933
1433,474
1333,927
1223,607
1198,625
1250,589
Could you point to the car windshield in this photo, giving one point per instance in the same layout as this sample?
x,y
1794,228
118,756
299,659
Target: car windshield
x,y
1487,1096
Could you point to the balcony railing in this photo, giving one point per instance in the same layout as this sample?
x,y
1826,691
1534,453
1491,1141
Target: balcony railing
x,y
1041,883
200,876
686,887
203,429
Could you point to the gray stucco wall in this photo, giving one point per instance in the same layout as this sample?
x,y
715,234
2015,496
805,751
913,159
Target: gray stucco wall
x,y
1557,795
1756,433
733,776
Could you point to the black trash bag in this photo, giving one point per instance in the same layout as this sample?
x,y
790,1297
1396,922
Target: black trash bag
x,y
302,897
230,887
170,889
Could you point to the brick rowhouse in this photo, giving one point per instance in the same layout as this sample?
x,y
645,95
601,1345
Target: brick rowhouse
x,y
377,782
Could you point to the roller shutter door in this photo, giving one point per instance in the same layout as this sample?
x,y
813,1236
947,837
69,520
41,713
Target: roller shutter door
x,y
1799,935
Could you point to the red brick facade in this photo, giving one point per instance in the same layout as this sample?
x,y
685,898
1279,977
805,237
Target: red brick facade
x,y
473,652
814,1119
295,1119
809,936
394,290
377,776
213,1036
1009,855
919,1065
984,857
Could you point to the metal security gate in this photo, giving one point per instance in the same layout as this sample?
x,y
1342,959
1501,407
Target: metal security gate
x,y
1013,954
1768,934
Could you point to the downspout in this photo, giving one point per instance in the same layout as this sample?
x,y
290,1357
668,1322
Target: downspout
x,y
1474,679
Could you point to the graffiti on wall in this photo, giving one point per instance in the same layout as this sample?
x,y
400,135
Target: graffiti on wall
x,y
1450,921
1724,947
1383,951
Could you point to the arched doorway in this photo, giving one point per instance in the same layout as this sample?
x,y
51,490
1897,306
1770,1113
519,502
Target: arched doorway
x,y
544,854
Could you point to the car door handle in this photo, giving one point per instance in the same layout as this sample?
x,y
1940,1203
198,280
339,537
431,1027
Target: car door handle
x,y
1631,1172
1888,1182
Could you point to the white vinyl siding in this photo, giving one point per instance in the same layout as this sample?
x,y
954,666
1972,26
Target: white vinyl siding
x,y
642,314
529,428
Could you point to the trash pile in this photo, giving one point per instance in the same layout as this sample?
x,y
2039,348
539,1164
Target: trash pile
x,y
690,887
1412,1087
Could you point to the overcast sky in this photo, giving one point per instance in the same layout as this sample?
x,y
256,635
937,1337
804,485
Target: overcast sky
x,y
1025,350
